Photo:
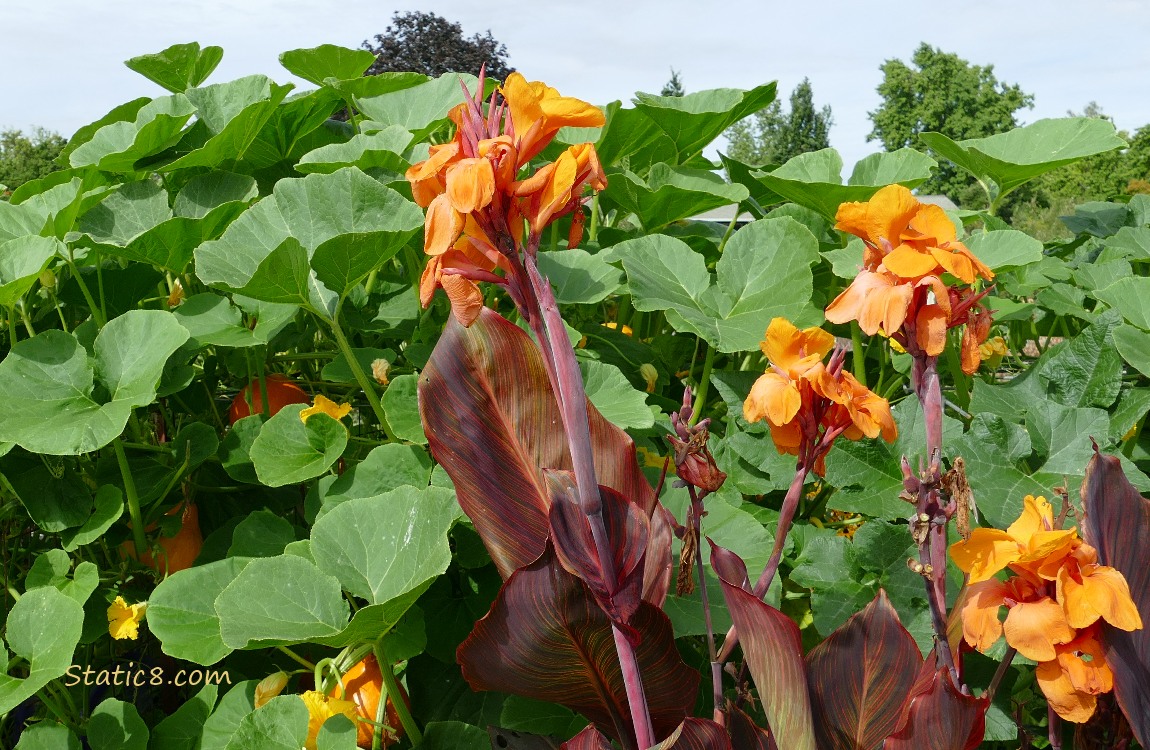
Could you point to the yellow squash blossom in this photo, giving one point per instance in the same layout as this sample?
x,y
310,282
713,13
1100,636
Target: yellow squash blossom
x,y
124,619
269,687
324,405
320,708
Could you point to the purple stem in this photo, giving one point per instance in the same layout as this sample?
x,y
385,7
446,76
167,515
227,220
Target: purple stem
x,y
568,385
716,665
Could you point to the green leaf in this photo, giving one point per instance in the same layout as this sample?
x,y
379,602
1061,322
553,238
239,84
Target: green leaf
x,y
282,599
222,723
127,213
43,629
453,735
383,149
327,61
212,320
109,508
280,724
867,472
1133,242
21,261
904,166
235,449
117,146
764,272
614,397
290,451
386,547
48,735
579,277
337,733
206,192
418,109
669,193
313,211
1134,346
182,614
402,410
1131,297
178,67
1006,248
116,725
1087,371
183,729
65,401
387,467
261,534
1013,158
53,492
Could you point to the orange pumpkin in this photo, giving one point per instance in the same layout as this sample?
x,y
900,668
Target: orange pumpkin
x,y
363,685
179,551
281,392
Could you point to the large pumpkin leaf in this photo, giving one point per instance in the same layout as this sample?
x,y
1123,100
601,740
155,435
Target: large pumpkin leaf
x,y
119,144
43,629
182,612
773,651
860,677
418,109
327,61
493,423
21,261
64,401
1015,157
546,637
764,272
178,67
669,193
1118,525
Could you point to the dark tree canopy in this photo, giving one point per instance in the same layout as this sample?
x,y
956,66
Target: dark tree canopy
x,y
940,92
772,137
430,44
673,87
24,158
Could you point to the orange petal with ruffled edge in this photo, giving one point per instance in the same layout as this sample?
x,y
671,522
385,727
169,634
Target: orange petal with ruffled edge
x,y
888,213
986,552
931,222
875,300
1102,593
787,438
980,603
1037,515
1045,545
1091,675
1070,704
956,263
979,267
797,352
930,329
470,184
907,262
443,226
465,297
774,397
970,352
1035,628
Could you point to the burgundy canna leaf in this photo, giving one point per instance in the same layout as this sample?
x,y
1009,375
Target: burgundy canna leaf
x,y
773,650
697,734
657,565
1118,525
546,638
627,528
492,421
745,734
938,716
860,677
589,739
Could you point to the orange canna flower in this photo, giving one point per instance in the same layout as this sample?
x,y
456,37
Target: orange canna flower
x,y
1090,591
808,404
1072,683
1032,538
538,112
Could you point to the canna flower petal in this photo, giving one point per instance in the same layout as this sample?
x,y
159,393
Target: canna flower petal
x,y
538,112
787,439
1070,704
324,405
930,329
470,184
869,412
773,397
793,351
1035,628
907,262
124,619
1091,675
1101,593
465,297
426,177
1037,515
986,552
931,222
884,217
443,226
956,264
875,300
979,607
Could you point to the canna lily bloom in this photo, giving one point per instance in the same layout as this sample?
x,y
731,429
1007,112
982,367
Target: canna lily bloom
x,y
808,404
909,247
324,405
1072,683
1032,538
1090,591
538,112
124,619
320,708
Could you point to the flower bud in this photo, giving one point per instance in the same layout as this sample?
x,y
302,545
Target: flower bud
x,y
379,368
270,687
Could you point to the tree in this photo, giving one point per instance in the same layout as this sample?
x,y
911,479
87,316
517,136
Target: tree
x,y
771,137
24,158
430,44
673,87
940,92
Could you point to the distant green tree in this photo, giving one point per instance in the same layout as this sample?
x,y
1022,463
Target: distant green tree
x,y
430,44
24,158
673,87
772,137
940,92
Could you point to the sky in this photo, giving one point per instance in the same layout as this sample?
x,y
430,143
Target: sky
x,y
62,59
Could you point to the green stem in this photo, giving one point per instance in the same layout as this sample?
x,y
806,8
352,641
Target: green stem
x,y
396,695
97,313
11,327
704,384
138,537
27,319
361,377
297,658
858,360
593,225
